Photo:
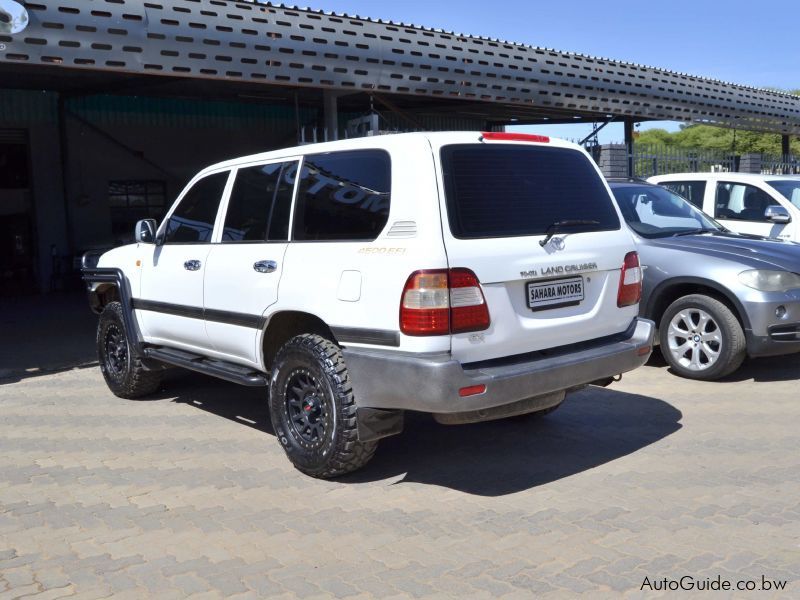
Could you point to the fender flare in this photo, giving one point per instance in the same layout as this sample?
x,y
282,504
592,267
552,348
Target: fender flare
x,y
117,278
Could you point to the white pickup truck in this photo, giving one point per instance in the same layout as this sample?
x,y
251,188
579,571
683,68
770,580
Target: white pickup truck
x,y
472,276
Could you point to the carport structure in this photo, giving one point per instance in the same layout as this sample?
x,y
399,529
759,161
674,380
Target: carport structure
x,y
109,92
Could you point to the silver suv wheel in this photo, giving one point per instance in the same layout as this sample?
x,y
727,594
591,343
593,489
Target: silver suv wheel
x,y
695,340
701,338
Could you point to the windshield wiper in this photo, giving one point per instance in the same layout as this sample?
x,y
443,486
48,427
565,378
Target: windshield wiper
x,y
695,232
557,225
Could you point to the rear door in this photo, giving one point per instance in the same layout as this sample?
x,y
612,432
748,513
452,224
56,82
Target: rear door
x,y
245,265
500,199
693,191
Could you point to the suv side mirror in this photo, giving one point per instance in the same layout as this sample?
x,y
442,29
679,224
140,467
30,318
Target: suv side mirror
x,y
146,231
777,214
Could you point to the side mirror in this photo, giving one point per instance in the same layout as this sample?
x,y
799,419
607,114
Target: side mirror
x,y
146,231
777,214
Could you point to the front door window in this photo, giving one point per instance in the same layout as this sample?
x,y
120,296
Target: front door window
x,y
741,202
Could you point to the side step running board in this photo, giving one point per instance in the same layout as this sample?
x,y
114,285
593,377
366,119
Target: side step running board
x,y
209,366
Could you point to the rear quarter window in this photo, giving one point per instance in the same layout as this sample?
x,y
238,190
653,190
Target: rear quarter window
x,y
343,196
508,190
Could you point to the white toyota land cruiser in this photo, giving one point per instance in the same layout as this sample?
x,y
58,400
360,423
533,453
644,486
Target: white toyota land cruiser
x,y
472,276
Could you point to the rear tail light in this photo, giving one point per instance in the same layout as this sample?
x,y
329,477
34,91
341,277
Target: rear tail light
x,y
502,136
441,302
425,308
630,281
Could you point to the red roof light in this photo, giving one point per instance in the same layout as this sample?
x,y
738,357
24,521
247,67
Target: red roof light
x,y
502,136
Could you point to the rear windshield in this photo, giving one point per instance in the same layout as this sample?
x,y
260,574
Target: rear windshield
x,y
506,190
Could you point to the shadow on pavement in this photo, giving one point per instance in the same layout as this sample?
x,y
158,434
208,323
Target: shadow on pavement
x,y
774,368
244,405
593,427
45,334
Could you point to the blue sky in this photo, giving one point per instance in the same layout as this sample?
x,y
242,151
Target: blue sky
x,y
752,43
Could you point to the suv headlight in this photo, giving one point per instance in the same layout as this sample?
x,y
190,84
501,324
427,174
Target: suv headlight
x,y
770,281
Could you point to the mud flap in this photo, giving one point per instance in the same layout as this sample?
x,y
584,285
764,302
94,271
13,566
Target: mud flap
x,y
375,423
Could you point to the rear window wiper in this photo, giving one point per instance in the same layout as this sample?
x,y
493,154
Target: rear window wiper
x,y
557,225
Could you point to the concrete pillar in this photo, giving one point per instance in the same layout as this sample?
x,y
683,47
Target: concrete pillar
x,y
48,196
613,160
331,112
750,163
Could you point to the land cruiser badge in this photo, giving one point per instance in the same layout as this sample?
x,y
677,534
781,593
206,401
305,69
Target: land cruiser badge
x,y
556,270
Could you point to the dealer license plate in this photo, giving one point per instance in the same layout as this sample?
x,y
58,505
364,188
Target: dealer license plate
x,y
555,294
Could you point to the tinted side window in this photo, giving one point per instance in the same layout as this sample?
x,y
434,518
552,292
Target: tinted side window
x,y
505,190
260,204
193,219
741,202
343,196
693,191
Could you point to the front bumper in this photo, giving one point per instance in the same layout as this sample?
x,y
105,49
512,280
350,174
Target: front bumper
x,y
780,340
768,334
430,383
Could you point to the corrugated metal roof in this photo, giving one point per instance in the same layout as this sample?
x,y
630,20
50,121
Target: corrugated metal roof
x,y
260,43
501,41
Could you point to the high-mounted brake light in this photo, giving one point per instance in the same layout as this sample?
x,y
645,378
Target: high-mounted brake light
x,y
630,281
442,301
502,136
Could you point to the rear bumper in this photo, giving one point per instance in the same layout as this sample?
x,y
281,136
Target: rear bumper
x,y
430,383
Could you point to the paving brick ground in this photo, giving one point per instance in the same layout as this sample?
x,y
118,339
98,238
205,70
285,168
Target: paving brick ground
x,y
188,494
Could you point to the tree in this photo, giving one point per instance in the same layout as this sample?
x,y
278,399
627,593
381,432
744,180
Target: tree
x,y
708,137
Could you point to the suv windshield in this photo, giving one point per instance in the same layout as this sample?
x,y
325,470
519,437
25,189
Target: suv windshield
x,y
507,190
788,188
653,211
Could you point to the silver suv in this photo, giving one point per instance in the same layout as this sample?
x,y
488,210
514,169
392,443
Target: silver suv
x,y
717,296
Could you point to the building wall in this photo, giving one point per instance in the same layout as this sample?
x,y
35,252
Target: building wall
x,y
37,113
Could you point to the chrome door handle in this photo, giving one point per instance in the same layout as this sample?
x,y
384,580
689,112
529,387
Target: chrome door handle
x,y
265,266
192,265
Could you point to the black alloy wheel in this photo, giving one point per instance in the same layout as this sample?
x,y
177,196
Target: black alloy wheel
x,y
309,409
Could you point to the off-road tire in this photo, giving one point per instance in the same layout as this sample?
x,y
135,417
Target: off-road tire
x,y
121,367
733,345
316,426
